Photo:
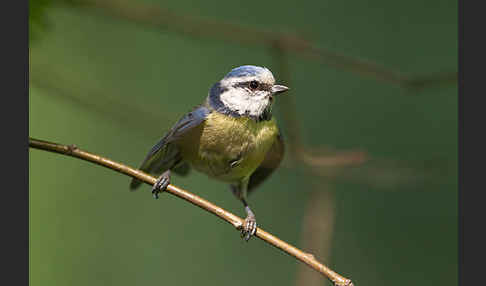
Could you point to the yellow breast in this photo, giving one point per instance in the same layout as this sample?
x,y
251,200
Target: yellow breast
x,y
228,148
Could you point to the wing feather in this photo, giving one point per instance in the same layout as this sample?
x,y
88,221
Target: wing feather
x,y
165,155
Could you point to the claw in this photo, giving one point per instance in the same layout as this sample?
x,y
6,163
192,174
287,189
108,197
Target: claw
x,y
249,227
161,184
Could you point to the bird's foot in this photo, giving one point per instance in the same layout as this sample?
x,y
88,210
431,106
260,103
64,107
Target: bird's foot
x,y
161,184
249,225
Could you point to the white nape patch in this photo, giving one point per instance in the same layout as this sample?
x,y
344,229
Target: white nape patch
x,y
244,102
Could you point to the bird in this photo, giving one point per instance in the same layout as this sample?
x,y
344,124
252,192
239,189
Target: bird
x,y
231,137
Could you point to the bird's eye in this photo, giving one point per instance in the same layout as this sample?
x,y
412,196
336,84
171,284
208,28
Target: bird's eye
x,y
253,84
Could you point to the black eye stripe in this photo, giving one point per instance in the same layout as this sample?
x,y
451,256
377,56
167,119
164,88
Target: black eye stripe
x,y
261,86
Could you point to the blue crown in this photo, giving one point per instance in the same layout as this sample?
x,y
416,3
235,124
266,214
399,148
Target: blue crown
x,y
247,70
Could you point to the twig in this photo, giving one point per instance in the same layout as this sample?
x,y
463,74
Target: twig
x,y
334,159
236,221
317,230
156,16
318,222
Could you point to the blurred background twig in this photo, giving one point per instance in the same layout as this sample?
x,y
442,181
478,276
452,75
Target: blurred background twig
x,y
167,21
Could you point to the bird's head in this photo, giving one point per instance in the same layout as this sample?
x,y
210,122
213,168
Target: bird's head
x,y
246,91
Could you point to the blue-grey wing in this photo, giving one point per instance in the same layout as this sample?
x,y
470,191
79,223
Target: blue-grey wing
x,y
165,155
271,162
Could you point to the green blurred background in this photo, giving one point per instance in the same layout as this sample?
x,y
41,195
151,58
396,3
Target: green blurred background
x,y
113,87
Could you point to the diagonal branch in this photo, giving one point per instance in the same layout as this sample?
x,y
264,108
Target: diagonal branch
x,y
236,221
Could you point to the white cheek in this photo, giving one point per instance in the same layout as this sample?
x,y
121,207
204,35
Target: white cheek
x,y
241,102
258,105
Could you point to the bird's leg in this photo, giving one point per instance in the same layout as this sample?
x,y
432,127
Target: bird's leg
x,y
161,184
249,226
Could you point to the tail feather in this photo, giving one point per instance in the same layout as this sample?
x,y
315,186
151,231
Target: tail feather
x,y
135,184
181,169
157,161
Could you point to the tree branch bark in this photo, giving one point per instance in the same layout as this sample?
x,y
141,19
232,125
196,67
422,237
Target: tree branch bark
x,y
237,222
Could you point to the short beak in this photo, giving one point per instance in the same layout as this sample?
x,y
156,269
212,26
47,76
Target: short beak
x,y
279,89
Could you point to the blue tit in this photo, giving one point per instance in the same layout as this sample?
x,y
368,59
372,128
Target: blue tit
x,y
231,137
